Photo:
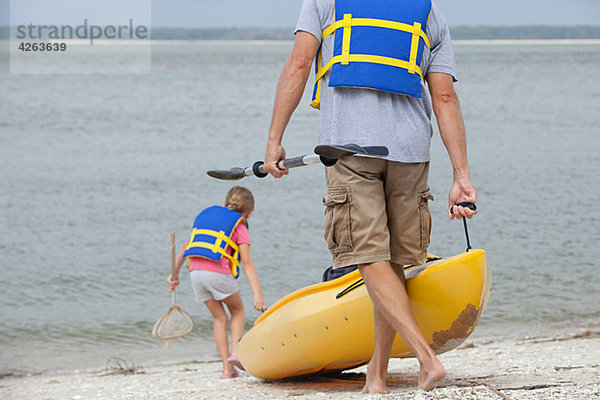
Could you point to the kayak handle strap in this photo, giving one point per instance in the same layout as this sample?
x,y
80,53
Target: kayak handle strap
x,y
472,207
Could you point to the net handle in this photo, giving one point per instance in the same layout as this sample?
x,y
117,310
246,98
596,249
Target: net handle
x,y
174,296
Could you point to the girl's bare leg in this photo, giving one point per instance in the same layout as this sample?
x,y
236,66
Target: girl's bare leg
x,y
220,333
238,318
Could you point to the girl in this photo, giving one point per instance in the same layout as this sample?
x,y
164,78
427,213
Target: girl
x,y
218,244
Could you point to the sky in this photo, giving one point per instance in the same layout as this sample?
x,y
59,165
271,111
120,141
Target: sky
x,y
283,13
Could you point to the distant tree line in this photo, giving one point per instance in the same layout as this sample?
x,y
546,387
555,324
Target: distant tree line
x,y
223,34
525,32
458,32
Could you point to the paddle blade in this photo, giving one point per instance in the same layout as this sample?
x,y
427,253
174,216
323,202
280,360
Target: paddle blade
x,y
376,151
337,151
234,174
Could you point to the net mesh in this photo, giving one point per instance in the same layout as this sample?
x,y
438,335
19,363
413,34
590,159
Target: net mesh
x,y
174,324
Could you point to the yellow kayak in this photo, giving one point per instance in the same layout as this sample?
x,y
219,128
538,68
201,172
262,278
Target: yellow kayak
x,y
329,326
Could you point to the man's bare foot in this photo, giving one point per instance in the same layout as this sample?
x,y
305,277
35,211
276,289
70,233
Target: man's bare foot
x,y
373,388
429,376
375,382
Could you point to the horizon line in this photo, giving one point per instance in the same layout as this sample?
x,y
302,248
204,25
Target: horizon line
x,y
290,27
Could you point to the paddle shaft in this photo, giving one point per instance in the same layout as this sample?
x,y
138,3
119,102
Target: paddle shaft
x,y
258,167
327,154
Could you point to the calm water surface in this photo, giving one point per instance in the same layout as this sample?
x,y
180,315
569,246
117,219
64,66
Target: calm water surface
x,y
96,171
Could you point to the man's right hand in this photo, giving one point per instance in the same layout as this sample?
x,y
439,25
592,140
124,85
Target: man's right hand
x,y
461,191
274,154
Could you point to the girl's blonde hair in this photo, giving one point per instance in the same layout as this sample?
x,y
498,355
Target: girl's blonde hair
x,y
239,199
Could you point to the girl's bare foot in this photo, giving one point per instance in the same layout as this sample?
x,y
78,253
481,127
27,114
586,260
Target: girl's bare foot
x,y
228,369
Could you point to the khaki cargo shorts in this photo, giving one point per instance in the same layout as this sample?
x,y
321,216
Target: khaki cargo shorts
x,y
377,210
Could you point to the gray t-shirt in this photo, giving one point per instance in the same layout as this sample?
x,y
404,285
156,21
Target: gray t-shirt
x,y
371,117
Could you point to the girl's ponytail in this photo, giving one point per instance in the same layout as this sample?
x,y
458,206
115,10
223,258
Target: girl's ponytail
x,y
239,199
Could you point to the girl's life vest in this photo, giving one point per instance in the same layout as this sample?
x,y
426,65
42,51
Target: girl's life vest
x,y
211,236
378,44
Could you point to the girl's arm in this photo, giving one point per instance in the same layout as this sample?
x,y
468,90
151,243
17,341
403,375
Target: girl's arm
x,y
252,276
173,280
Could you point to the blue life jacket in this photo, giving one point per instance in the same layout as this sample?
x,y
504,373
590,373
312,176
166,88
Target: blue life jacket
x,y
211,236
378,44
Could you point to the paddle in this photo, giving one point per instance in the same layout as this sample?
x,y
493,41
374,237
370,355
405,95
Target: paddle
x,y
326,154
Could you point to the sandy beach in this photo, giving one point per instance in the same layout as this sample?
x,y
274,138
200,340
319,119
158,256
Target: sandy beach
x,y
565,367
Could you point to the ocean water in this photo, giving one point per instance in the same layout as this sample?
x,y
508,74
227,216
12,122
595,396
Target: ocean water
x,y
96,171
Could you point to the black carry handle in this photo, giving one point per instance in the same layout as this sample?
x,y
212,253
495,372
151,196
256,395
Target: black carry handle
x,y
471,206
466,204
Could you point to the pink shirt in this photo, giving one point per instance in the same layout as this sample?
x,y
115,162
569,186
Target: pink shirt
x,y
240,236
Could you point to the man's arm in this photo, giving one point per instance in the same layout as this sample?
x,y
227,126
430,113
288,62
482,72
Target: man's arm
x,y
289,93
452,129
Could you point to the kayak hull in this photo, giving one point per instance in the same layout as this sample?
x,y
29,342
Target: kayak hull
x,y
329,326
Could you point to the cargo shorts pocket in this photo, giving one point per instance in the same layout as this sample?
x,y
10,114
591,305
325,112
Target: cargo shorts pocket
x,y
337,219
424,197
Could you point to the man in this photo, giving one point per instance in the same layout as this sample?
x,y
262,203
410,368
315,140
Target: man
x,y
374,59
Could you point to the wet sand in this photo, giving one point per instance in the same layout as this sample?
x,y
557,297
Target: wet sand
x,y
566,367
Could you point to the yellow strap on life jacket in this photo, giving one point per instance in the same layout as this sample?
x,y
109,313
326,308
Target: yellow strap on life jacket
x,y
381,23
316,103
414,48
345,58
347,24
371,59
216,247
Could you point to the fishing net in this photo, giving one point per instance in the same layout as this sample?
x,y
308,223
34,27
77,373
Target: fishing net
x,y
176,322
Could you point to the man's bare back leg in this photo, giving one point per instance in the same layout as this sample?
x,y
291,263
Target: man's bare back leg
x,y
386,287
378,365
